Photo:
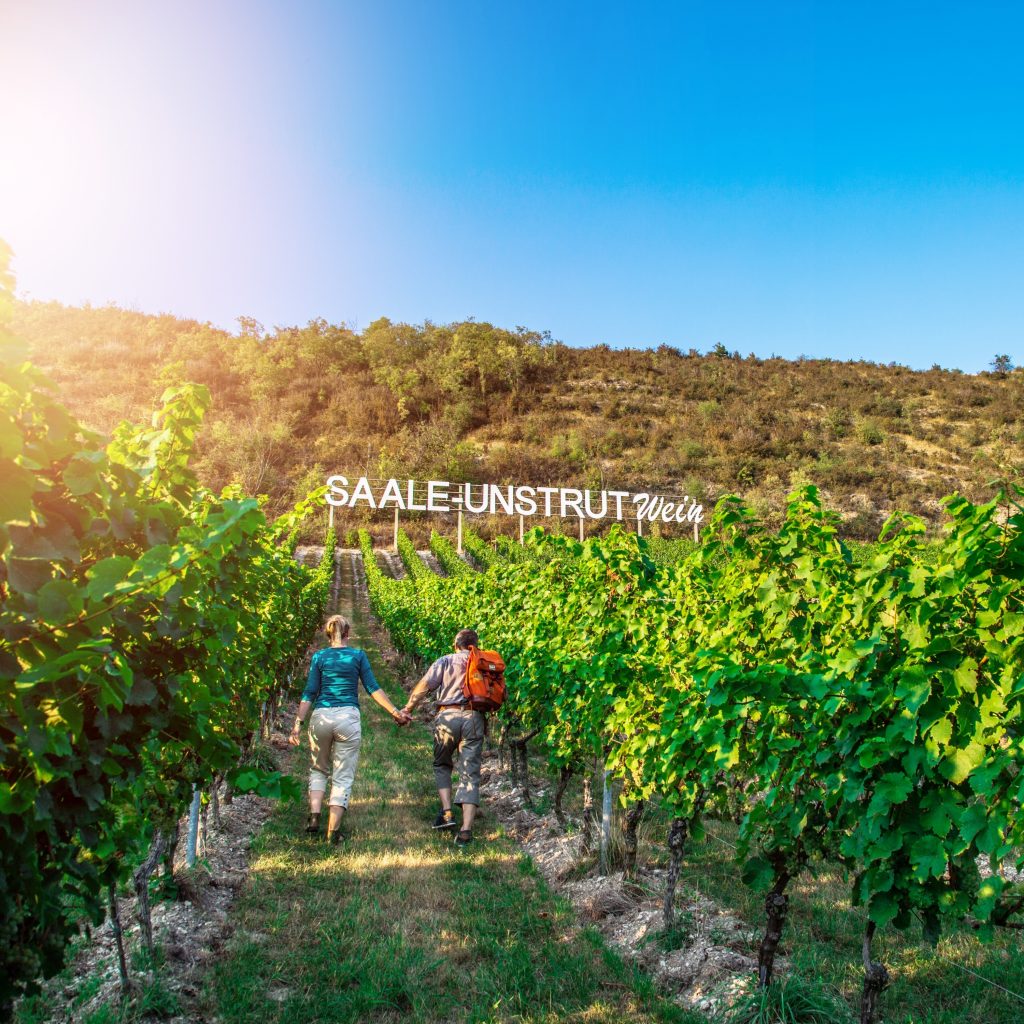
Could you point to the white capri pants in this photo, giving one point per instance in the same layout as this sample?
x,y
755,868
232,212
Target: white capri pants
x,y
334,736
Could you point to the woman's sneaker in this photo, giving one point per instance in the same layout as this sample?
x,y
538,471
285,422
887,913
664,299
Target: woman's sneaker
x,y
464,838
445,819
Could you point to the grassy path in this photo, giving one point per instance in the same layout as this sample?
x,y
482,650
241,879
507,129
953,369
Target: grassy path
x,y
398,925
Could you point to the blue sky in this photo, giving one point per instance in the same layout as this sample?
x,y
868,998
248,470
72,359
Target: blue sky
x,y
788,178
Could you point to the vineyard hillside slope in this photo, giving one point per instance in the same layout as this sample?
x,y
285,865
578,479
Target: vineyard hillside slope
x,y
473,401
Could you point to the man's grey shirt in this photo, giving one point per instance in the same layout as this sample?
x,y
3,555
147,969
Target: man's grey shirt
x,y
445,676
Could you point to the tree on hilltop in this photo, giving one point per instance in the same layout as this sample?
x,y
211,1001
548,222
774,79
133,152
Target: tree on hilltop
x,y
1002,365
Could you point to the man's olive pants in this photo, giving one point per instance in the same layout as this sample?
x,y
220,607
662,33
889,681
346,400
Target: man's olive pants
x,y
459,745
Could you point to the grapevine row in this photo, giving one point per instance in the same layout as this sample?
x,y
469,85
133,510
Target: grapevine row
x,y
866,713
146,624
451,561
479,550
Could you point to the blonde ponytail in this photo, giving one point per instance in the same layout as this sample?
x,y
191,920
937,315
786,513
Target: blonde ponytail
x,y
337,628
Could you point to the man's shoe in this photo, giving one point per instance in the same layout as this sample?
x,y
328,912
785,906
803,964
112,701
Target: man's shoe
x,y
464,838
336,838
445,819
313,825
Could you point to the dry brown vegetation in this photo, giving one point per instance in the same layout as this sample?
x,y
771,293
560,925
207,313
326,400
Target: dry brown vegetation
x,y
476,402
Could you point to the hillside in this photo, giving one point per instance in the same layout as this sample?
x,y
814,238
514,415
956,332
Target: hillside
x,y
473,401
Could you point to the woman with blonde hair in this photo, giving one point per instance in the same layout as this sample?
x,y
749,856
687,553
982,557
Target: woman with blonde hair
x,y
335,727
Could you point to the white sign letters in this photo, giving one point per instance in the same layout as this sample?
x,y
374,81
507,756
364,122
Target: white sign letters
x,y
511,499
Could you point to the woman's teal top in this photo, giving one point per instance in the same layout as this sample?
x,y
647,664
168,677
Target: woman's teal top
x,y
334,677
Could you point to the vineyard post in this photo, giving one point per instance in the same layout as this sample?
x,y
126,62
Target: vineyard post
x,y
588,806
458,544
204,828
606,821
193,828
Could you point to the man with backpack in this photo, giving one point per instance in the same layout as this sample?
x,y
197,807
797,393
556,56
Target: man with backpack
x,y
465,684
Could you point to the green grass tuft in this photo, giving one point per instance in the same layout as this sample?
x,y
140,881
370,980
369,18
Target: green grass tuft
x,y
791,1000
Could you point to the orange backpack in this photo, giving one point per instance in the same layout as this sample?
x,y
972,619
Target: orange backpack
x,y
484,682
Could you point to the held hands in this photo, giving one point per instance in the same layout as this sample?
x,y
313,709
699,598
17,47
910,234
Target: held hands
x,y
295,738
402,717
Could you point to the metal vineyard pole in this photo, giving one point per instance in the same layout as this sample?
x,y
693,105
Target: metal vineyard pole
x,y
606,823
193,828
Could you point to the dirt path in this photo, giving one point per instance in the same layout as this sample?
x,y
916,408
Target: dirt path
x,y
391,563
710,968
431,562
399,925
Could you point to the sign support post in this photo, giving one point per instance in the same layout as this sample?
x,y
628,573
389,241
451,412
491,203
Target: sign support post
x,y
639,526
581,529
521,531
396,528
458,546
